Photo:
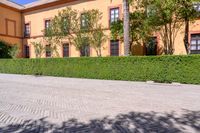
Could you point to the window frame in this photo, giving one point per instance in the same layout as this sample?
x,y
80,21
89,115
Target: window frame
x,y
83,26
197,6
7,27
45,23
110,14
48,54
25,29
83,52
65,27
26,51
153,52
117,51
196,38
63,50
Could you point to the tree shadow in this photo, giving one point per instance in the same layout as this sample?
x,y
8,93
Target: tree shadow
x,y
133,122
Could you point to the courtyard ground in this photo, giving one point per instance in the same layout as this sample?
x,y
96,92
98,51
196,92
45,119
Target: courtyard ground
x,y
51,104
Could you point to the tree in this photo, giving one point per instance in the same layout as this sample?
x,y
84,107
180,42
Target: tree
x,y
97,38
80,30
140,29
165,18
62,27
188,13
126,27
39,49
96,31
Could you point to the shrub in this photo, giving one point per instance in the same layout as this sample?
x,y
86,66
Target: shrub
x,y
4,49
183,69
14,51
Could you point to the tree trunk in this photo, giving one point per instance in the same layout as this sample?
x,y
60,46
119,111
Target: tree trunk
x,y
186,41
126,28
171,45
100,52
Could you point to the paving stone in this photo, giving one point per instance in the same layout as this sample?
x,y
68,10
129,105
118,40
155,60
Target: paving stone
x,y
50,104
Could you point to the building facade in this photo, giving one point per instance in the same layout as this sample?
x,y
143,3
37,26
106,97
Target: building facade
x,y
23,25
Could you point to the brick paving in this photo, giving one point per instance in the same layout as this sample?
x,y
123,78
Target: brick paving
x,y
50,104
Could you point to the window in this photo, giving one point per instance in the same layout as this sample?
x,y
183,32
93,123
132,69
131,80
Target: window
x,y
85,50
114,48
151,46
11,27
66,50
151,10
197,6
65,25
27,30
195,44
47,23
83,21
26,51
114,15
48,51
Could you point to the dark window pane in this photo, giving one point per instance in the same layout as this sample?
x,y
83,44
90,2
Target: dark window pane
x,y
114,48
26,51
114,15
27,30
65,25
84,21
85,50
197,6
48,51
151,46
195,44
65,50
47,23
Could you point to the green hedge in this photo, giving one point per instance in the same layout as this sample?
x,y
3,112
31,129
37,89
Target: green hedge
x,y
183,69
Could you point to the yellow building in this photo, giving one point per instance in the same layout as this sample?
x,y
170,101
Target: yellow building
x,y
25,24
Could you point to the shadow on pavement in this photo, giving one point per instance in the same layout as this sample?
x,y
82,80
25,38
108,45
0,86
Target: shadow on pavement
x,y
133,122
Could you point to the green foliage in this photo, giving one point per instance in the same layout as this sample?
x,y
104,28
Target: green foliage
x,y
14,51
168,69
63,26
4,49
117,30
186,9
96,31
39,49
97,38
187,14
8,50
68,25
165,17
140,31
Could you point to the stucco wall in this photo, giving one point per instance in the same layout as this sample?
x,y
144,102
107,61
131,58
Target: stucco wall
x,y
36,19
11,26
15,21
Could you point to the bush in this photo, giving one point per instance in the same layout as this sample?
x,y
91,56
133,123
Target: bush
x,y
8,50
183,69
4,49
14,51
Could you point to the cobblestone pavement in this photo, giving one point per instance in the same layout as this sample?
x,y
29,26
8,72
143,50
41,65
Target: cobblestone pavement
x,y
49,104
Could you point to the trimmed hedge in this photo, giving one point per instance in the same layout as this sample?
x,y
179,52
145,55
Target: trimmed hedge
x,y
183,69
